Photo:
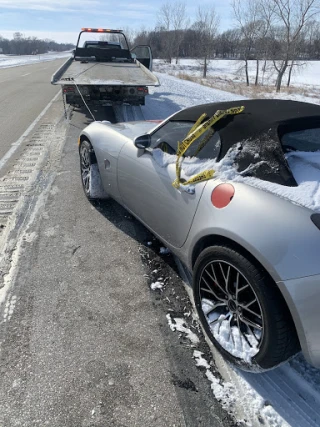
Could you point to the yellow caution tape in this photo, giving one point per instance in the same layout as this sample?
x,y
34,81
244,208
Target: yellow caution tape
x,y
200,177
195,132
197,123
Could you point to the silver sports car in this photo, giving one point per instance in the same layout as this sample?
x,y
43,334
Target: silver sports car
x,y
232,189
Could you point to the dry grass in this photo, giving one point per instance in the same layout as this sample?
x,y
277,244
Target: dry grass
x,y
184,76
262,91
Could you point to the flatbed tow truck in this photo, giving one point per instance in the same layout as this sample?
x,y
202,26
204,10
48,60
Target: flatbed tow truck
x,y
104,71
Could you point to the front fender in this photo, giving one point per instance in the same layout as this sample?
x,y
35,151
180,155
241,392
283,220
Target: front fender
x,y
107,144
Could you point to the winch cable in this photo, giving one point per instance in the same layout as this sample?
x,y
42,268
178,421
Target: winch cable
x,y
84,100
64,105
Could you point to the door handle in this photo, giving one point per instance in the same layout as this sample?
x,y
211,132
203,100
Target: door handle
x,y
190,189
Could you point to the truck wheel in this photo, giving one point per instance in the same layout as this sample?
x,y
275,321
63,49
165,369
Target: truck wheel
x,y
242,310
90,175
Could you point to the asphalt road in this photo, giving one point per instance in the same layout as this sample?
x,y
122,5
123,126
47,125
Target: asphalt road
x,y
84,342
24,93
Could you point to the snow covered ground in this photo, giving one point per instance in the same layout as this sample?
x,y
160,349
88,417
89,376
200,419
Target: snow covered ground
x,y
288,395
7,61
229,75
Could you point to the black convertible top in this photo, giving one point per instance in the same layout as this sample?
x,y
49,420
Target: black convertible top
x,y
258,129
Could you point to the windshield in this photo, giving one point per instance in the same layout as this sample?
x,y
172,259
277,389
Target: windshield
x,y
102,40
303,140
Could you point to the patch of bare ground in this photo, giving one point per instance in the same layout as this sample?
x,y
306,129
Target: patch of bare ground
x,y
310,93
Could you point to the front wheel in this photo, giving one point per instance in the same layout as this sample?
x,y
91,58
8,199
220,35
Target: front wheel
x,y
90,175
242,310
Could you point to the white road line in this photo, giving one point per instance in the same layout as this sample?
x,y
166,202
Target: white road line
x,y
28,74
17,144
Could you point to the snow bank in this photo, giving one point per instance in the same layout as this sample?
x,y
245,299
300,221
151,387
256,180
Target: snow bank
x,y
8,61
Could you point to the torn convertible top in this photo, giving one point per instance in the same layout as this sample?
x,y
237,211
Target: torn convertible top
x,y
258,129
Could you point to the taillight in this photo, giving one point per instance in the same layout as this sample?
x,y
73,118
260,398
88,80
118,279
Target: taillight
x,y
142,89
222,195
315,218
67,89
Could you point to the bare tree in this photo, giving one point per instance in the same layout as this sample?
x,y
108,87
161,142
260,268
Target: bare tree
x,y
180,22
252,27
228,44
206,27
165,27
291,18
173,21
130,35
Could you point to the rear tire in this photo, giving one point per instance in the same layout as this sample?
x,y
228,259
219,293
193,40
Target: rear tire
x,y
90,175
242,311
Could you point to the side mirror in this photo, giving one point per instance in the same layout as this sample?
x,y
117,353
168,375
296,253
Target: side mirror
x,y
142,141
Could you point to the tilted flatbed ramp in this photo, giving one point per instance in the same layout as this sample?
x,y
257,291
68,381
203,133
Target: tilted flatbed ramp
x,y
104,73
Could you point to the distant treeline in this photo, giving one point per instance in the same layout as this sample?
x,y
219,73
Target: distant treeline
x,y
21,45
285,32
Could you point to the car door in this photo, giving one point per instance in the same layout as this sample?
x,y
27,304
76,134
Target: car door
x,y
143,54
145,186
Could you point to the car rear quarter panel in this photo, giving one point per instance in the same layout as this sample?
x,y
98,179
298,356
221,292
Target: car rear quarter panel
x,y
279,234
302,296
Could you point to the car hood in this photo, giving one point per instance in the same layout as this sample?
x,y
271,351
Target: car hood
x,y
132,129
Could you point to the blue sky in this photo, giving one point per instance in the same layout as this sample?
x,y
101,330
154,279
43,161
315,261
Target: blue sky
x,y
61,20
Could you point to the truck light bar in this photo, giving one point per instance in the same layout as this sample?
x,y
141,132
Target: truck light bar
x,y
101,30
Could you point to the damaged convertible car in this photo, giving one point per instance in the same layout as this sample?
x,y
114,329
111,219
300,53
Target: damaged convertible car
x,y
232,189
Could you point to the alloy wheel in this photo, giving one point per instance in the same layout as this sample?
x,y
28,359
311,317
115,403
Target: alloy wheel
x,y
85,167
228,299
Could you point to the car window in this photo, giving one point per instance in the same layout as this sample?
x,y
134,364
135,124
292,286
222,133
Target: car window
x,y
167,137
142,51
170,134
303,140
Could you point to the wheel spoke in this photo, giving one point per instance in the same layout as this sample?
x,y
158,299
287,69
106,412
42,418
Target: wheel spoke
x,y
218,304
243,288
246,338
250,303
212,322
214,279
253,334
249,322
225,276
251,311
210,290
237,284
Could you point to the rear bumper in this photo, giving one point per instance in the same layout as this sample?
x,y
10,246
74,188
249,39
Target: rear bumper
x,y
303,298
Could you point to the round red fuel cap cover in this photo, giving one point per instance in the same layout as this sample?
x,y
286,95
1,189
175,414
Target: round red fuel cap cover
x,y
222,195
